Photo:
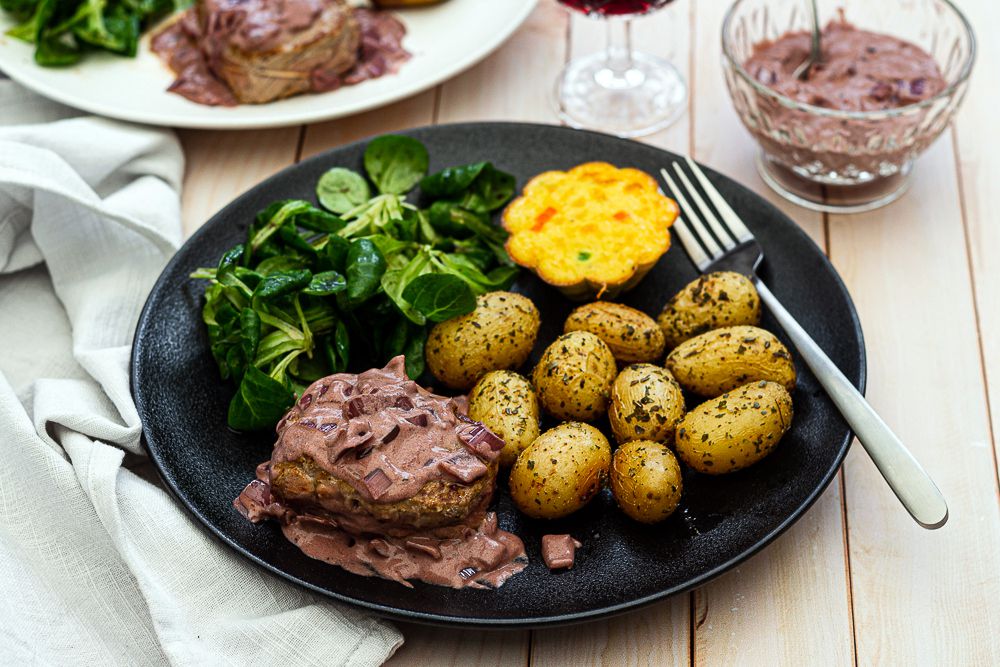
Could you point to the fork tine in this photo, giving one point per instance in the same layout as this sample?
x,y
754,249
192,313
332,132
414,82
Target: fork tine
x,y
691,245
706,212
736,225
691,213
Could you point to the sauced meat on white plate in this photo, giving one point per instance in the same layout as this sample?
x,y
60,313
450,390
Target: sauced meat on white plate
x,y
229,52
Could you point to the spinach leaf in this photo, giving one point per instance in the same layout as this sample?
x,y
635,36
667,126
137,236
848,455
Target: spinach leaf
x,y
440,296
395,163
394,281
463,268
391,248
341,348
476,251
51,50
249,333
259,402
364,268
282,283
280,263
339,190
449,218
229,261
414,352
21,9
318,220
291,238
274,219
452,181
395,343
325,284
491,190
248,277
334,256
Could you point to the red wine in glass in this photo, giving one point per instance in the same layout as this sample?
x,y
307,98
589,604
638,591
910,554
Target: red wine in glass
x,y
615,7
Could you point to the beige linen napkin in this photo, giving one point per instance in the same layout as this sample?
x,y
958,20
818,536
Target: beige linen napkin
x,y
99,566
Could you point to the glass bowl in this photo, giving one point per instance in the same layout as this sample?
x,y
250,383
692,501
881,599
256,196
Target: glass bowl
x,y
844,161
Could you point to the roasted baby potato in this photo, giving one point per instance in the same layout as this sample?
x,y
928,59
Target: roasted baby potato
x,y
723,359
631,334
573,378
736,429
646,480
560,471
715,300
497,335
507,404
646,404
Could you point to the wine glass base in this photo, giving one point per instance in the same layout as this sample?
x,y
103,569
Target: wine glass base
x,y
832,198
643,99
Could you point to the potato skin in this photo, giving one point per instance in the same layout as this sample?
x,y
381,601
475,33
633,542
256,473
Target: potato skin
x,y
506,402
573,378
497,335
560,471
646,480
723,359
631,334
646,404
736,429
715,300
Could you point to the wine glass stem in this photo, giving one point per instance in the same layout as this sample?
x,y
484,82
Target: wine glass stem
x,y
619,53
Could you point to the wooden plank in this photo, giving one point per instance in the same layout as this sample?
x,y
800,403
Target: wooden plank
x,y
979,172
792,600
922,597
515,83
660,634
411,112
655,636
221,165
427,646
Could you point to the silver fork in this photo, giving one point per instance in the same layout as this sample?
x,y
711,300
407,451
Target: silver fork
x,y
731,247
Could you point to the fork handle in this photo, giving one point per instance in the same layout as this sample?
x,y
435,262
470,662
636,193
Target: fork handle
x,y
907,479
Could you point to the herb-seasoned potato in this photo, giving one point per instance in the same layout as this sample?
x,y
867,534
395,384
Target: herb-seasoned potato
x,y
631,334
736,429
497,335
646,480
723,359
646,404
560,471
715,300
507,404
573,378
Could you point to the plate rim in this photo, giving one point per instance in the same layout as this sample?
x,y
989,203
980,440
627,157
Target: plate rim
x,y
316,114
547,621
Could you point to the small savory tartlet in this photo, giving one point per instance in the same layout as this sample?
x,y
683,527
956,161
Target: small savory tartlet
x,y
592,231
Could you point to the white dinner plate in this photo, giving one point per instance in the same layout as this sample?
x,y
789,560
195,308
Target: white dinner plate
x,y
444,40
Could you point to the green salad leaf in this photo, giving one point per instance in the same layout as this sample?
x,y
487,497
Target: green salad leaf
x,y
440,296
314,291
339,190
396,163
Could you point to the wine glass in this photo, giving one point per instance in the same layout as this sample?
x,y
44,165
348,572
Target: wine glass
x,y
619,90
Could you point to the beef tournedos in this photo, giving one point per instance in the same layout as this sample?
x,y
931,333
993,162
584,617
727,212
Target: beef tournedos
x,y
378,475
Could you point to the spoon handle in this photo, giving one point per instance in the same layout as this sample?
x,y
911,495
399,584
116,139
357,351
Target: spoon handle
x,y
816,52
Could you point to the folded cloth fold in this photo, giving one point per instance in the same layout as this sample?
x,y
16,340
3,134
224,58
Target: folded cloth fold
x,y
98,565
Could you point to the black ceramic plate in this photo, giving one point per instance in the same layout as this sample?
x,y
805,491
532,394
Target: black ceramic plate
x,y
622,565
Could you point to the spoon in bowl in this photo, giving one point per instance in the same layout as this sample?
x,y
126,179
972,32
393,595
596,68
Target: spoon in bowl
x,y
815,55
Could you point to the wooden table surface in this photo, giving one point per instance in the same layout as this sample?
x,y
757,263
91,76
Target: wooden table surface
x,y
855,581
